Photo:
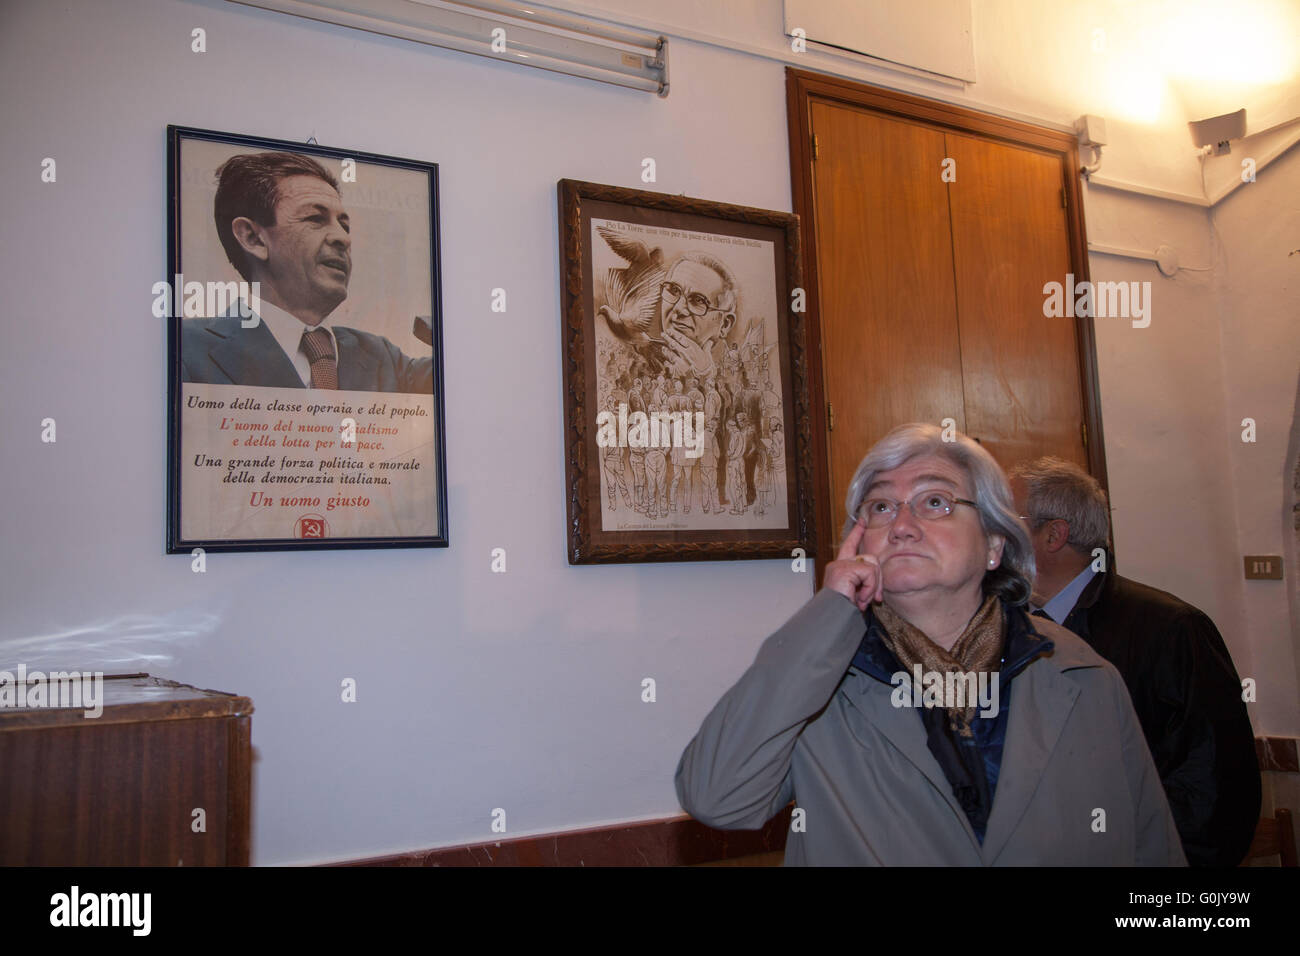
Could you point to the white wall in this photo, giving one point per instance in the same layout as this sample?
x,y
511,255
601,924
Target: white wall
x,y
1258,229
476,690
1189,496
1166,430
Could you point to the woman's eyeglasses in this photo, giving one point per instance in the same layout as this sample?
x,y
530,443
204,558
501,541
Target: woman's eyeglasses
x,y
926,505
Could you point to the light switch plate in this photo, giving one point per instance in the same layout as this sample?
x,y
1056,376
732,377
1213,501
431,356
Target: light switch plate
x,y
1263,567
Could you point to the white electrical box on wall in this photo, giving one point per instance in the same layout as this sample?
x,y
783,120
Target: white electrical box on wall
x,y
1091,130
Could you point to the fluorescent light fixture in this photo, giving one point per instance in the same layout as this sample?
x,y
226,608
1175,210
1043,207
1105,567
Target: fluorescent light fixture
x,y
504,30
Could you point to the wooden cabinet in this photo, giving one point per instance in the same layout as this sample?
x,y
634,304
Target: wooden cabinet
x,y
122,788
929,233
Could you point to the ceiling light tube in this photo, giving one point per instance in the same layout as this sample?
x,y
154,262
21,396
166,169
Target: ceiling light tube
x,y
553,21
550,41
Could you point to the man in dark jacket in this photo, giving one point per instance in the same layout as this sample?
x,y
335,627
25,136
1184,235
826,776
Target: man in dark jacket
x,y
1178,671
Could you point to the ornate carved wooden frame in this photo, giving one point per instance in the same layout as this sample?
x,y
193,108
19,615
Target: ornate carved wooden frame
x,y
587,543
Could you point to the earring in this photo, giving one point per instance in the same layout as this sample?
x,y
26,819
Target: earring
x,y
992,562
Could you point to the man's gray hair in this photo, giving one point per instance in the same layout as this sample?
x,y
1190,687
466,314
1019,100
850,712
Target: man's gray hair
x,y
729,295
1012,579
1056,488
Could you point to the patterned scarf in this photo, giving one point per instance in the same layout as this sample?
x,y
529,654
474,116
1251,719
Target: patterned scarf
x,y
978,649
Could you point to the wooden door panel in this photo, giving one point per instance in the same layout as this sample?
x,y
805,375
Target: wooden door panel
x,y
1009,238
890,350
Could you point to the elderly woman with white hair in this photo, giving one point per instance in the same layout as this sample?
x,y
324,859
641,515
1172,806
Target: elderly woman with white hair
x,y
914,711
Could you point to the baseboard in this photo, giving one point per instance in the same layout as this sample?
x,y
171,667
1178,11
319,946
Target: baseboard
x,y
1277,753
672,842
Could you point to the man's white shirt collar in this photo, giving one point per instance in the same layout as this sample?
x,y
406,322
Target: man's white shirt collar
x,y
288,331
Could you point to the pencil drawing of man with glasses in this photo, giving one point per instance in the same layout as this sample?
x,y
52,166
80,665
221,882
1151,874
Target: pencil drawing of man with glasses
x,y
697,309
674,310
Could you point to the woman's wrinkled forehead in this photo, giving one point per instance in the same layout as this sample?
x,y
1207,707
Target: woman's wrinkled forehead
x,y
920,471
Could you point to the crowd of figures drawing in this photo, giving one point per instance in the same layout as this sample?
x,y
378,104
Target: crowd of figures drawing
x,y
688,380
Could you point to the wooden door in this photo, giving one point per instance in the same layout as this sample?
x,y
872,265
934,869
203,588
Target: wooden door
x,y
888,305
925,291
1009,237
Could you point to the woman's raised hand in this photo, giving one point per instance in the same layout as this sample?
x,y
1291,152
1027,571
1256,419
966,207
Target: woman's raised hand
x,y
856,576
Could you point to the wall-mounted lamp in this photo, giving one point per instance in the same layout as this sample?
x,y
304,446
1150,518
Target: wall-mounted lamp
x,y
504,30
1217,131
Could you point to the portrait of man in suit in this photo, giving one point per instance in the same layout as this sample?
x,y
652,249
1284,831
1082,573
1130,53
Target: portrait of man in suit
x,y
282,224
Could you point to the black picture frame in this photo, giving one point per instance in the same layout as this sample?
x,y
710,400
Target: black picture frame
x,y
402,472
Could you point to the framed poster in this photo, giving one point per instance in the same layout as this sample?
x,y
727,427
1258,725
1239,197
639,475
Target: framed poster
x,y
687,432
302,293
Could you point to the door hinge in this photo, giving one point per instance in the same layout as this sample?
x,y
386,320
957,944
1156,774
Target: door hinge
x,y
816,147
1064,204
1083,432
830,417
